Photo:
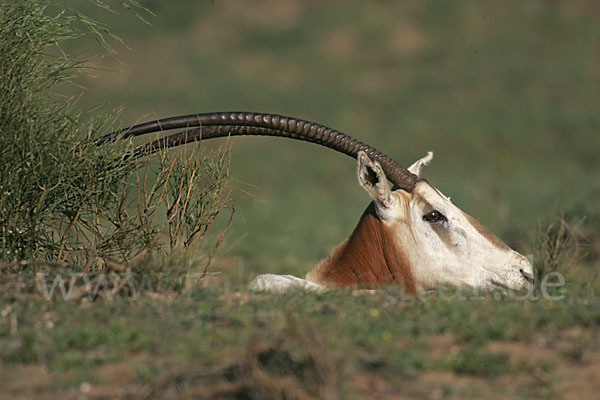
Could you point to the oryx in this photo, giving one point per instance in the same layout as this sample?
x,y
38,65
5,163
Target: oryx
x,y
409,235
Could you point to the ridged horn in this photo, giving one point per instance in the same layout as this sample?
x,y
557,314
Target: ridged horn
x,y
224,124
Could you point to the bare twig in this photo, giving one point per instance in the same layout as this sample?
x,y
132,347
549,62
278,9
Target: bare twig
x,y
218,242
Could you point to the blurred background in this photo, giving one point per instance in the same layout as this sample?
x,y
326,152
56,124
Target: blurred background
x,y
508,98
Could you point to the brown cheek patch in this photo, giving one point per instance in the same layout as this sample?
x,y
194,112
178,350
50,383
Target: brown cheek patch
x,y
443,233
369,258
485,232
437,227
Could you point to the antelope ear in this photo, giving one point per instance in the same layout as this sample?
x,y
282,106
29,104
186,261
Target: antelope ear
x,y
373,179
416,167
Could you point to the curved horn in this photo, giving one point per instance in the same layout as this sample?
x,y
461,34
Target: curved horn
x,y
224,124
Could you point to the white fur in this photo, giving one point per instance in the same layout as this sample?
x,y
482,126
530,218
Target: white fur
x,y
282,283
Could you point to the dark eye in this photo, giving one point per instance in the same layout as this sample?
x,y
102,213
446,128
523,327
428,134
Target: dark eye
x,y
434,216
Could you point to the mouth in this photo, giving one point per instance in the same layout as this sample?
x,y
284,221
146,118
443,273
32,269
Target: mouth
x,y
528,277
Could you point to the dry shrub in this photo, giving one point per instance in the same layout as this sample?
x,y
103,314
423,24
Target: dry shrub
x,y
558,248
65,201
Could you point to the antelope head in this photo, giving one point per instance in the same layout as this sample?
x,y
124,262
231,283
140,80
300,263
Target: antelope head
x,y
411,234
425,240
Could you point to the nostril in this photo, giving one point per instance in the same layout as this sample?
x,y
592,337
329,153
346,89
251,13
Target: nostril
x,y
528,277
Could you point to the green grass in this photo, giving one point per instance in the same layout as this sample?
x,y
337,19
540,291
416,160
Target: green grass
x,y
507,98
213,329
477,362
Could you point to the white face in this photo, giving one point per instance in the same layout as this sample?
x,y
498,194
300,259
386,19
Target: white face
x,y
444,245
452,247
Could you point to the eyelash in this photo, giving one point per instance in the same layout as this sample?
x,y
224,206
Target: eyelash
x,y
434,216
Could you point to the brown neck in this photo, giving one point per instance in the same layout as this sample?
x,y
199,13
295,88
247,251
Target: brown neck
x,y
368,258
